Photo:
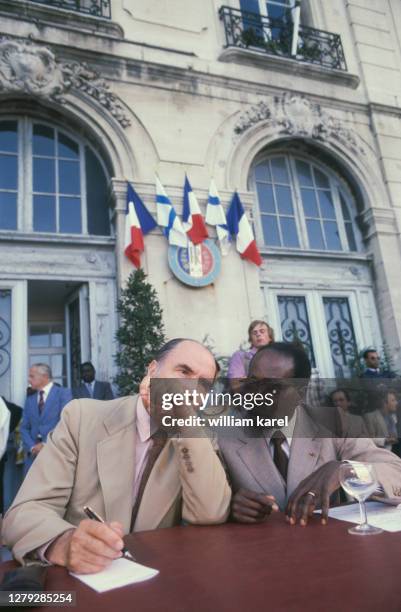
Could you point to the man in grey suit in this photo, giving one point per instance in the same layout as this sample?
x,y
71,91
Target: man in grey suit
x,y
295,468
91,388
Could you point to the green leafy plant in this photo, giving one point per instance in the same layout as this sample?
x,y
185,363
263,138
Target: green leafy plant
x,y
141,332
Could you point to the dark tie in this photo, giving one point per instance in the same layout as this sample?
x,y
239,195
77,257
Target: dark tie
x,y
280,458
41,402
159,440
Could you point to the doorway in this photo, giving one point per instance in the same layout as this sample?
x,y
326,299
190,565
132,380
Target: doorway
x,y
58,327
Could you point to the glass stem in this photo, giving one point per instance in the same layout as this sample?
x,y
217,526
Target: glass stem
x,y
362,511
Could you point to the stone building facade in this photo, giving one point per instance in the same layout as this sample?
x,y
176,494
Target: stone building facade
x,y
96,92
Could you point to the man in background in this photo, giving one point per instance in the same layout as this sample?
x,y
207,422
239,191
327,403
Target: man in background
x,y
42,410
91,388
372,363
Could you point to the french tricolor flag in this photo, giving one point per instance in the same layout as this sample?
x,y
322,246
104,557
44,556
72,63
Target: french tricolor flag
x,y
193,222
138,223
239,226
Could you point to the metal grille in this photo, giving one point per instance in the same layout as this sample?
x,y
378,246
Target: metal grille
x,y
295,322
96,8
341,334
274,37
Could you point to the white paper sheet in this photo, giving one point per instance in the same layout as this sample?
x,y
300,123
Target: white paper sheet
x,y
120,573
379,515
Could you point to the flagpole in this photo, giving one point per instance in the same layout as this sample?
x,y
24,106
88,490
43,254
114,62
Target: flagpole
x,y
295,30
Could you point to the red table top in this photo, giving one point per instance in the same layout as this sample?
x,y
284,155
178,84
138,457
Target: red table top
x,y
248,568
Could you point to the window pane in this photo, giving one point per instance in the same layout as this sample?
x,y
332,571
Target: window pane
x,y
344,209
8,171
43,140
262,172
326,205
39,337
96,196
304,174
57,337
351,237
309,203
8,136
274,11
332,237
340,333
270,230
70,215
44,213
295,322
8,210
284,200
67,147
315,235
321,179
44,175
69,177
279,170
265,197
57,365
289,232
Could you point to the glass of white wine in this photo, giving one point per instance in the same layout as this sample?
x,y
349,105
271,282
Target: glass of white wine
x,y
359,480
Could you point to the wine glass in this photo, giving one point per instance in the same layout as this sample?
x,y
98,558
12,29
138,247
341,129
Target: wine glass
x,y
359,480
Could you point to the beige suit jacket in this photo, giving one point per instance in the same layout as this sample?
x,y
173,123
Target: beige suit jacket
x,y
89,459
250,465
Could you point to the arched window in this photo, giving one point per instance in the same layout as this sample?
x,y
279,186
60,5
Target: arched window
x,y
50,181
304,205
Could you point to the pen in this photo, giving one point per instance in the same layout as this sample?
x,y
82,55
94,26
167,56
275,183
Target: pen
x,y
95,517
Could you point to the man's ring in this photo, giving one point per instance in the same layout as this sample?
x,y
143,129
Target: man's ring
x,y
311,493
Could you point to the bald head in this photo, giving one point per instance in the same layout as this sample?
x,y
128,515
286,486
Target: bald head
x,y
280,360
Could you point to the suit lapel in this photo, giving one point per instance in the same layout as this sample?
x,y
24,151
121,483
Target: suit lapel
x,y
256,456
96,391
305,451
161,491
84,391
116,468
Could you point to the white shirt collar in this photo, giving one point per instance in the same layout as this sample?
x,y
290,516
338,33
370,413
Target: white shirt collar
x,y
46,390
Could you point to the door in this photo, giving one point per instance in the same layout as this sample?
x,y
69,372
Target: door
x,y
77,333
327,323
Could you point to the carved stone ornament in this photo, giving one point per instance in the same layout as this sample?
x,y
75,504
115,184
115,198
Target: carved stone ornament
x,y
26,67
295,115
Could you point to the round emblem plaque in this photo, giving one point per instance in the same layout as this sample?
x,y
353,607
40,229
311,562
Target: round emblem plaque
x,y
195,265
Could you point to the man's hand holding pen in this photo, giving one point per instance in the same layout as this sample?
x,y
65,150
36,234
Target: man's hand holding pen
x,y
89,548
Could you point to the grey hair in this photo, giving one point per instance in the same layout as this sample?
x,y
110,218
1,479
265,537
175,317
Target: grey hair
x,y
44,369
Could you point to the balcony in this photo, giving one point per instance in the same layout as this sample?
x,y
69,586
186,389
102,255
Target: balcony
x,y
254,32
94,8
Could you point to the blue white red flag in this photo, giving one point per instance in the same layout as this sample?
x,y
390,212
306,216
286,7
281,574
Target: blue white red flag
x,y
239,226
167,218
138,223
192,218
216,216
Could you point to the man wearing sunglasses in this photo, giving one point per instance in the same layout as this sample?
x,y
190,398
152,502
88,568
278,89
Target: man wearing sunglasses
x,y
295,468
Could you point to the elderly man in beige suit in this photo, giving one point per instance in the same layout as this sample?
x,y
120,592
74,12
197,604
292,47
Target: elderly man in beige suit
x,y
99,455
296,468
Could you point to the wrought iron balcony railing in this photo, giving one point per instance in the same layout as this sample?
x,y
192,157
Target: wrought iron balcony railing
x,y
96,8
274,37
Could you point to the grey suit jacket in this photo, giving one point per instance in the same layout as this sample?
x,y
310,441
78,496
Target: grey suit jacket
x,y
89,459
101,391
250,465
